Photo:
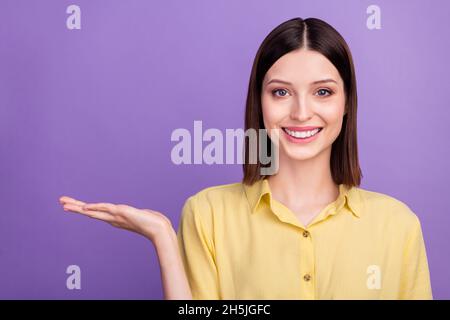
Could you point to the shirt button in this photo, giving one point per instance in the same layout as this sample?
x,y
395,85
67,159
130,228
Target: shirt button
x,y
306,277
305,234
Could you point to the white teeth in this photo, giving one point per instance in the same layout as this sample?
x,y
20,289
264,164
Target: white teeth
x,y
302,134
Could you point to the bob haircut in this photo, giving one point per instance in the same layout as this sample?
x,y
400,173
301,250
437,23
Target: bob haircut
x,y
317,35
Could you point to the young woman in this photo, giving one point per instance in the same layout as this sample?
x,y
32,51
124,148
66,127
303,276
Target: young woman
x,y
308,231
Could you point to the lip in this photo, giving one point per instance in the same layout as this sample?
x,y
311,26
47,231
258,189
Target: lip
x,y
301,128
300,140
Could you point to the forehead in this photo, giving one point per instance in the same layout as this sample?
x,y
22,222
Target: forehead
x,y
303,67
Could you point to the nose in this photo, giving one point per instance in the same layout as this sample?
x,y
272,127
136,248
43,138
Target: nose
x,y
300,110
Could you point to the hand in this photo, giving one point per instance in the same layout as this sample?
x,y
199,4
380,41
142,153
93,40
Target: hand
x,y
151,224
146,222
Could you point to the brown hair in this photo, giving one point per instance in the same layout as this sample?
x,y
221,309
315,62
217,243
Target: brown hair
x,y
312,34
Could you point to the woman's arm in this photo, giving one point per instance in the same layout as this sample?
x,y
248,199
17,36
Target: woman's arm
x,y
151,224
173,275
197,249
415,280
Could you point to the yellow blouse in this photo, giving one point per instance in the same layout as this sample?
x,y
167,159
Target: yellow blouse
x,y
238,242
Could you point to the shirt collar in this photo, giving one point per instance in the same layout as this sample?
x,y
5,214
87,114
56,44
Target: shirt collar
x,y
349,196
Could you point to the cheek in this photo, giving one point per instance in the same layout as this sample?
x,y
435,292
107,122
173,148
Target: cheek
x,y
333,112
333,117
270,114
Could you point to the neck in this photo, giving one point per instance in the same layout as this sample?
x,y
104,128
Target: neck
x,y
302,183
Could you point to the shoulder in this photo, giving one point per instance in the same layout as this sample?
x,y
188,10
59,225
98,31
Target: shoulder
x,y
218,193
381,206
205,202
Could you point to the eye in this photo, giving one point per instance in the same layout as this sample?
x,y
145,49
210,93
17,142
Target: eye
x,y
325,91
283,92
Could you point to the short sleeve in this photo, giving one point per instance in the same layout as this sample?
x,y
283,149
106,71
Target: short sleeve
x,y
415,279
197,252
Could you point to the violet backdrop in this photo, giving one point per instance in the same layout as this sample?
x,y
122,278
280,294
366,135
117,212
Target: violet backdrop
x,y
89,113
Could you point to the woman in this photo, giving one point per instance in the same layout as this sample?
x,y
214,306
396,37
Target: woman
x,y
307,231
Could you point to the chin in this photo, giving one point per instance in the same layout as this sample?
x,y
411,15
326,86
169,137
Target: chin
x,y
299,155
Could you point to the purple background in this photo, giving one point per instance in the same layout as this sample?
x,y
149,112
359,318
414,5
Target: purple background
x,y
89,113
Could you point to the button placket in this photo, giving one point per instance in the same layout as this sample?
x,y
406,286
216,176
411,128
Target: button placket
x,y
307,265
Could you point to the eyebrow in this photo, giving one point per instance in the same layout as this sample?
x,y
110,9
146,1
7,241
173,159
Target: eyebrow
x,y
315,82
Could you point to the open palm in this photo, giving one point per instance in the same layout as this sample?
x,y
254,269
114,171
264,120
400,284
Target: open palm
x,y
143,221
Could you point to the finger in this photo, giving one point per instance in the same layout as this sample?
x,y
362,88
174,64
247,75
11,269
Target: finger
x,y
65,199
102,206
74,208
100,215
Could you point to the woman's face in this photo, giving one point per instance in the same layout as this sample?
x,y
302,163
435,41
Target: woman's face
x,y
293,98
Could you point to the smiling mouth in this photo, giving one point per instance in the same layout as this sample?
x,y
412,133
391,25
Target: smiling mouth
x,y
302,134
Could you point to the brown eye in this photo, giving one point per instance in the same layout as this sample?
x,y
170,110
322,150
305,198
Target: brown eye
x,y
282,92
325,91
